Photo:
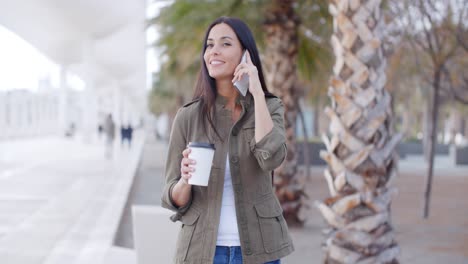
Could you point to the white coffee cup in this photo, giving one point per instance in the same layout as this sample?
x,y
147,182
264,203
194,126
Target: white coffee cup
x,y
203,154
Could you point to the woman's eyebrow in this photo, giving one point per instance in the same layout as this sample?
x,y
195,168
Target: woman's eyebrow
x,y
224,37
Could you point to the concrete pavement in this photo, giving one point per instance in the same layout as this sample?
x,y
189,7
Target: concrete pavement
x,y
442,238
61,200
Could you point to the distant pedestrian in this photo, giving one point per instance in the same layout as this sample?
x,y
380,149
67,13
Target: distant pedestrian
x,y
109,130
70,132
130,135
126,134
123,135
100,131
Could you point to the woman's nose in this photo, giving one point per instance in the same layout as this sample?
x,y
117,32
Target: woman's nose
x,y
214,50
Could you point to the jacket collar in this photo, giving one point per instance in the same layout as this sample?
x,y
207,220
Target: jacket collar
x,y
246,101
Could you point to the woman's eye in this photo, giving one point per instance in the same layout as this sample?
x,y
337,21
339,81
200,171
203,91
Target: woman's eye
x,y
227,44
210,45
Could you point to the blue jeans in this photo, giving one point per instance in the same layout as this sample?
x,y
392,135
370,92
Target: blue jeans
x,y
232,255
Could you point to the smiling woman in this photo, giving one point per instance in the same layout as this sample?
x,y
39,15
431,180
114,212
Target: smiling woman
x,y
22,65
235,216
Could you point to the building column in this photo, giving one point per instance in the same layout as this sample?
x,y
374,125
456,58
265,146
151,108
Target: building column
x,y
117,104
21,115
63,121
2,115
89,99
7,119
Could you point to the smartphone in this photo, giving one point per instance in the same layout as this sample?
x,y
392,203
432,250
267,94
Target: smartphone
x,y
243,84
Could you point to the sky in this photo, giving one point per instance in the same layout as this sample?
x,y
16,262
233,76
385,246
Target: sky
x,y
21,65
153,55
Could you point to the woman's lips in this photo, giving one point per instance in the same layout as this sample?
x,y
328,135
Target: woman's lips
x,y
216,62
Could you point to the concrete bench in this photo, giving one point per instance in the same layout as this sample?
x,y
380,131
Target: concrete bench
x,y
314,153
461,155
154,234
416,148
120,255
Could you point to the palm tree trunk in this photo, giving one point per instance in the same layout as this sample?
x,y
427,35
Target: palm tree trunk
x,y
360,152
316,117
464,127
281,27
305,144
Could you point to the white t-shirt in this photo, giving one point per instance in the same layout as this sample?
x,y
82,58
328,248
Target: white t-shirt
x,y
228,233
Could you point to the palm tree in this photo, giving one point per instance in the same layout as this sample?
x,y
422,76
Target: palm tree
x,y
281,28
360,153
282,38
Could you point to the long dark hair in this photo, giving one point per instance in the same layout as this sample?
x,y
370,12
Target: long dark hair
x,y
205,87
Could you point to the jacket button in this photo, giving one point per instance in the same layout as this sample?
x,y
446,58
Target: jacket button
x,y
248,251
265,155
234,159
235,131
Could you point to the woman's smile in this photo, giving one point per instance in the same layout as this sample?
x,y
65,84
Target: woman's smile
x,y
216,62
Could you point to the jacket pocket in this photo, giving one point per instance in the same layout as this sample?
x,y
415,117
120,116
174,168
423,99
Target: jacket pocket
x,y
273,228
189,221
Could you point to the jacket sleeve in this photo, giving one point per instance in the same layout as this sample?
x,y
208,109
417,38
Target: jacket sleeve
x,y
271,150
177,143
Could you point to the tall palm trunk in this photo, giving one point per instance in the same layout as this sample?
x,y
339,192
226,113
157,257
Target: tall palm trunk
x,y
360,152
281,27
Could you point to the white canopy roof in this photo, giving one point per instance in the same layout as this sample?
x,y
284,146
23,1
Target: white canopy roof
x,y
103,41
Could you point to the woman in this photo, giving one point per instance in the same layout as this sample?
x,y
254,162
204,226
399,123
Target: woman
x,y
236,218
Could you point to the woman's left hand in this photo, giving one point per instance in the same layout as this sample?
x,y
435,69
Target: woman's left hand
x,y
255,87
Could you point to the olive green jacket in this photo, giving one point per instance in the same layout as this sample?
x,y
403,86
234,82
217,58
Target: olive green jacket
x,y
262,229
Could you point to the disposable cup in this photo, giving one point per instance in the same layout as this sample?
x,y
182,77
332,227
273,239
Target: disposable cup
x,y
203,154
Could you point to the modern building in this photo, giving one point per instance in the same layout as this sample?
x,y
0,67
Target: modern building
x,y
99,44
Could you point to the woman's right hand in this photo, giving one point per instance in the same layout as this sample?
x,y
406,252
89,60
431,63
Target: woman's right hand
x,y
185,166
182,189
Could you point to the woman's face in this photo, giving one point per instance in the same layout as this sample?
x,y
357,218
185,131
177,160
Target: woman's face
x,y
223,52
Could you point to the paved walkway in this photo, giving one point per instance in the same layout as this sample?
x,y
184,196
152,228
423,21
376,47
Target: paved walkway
x,y
443,238
61,200
60,203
